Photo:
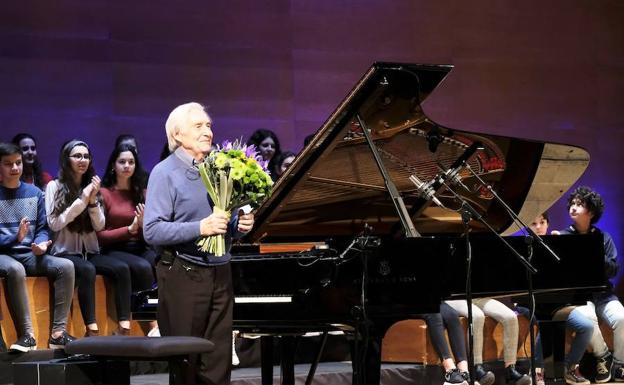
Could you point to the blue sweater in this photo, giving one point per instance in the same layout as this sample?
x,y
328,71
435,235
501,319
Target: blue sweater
x,y
610,257
15,204
175,204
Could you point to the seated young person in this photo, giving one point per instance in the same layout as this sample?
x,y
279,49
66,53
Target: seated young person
x,y
449,319
284,161
33,170
585,207
575,321
507,317
74,215
24,242
268,145
123,195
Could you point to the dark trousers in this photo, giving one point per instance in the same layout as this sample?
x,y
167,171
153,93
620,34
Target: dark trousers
x,y
114,269
198,301
85,281
142,276
436,322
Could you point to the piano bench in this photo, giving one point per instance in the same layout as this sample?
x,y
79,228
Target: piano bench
x,y
127,348
407,341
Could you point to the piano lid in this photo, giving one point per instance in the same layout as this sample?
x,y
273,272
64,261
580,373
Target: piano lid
x,y
334,186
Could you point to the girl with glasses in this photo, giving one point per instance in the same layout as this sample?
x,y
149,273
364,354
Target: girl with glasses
x,y
74,215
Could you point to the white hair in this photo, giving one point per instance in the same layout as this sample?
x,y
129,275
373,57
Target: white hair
x,y
178,120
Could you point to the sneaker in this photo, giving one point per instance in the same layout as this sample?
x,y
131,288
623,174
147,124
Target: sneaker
x,y
573,376
60,341
539,378
618,372
24,344
604,365
154,332
483,376
454,376
235,360
514,377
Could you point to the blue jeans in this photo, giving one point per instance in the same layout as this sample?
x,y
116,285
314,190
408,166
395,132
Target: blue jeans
x,y
539,351
59,271
17,300
583,326
612,312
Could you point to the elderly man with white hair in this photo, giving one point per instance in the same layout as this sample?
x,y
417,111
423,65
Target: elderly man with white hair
x,y
194,288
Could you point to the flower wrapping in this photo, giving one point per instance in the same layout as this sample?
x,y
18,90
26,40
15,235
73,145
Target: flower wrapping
x,y
234,175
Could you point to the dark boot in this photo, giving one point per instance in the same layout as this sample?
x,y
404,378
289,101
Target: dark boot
x,y
482,376
514,377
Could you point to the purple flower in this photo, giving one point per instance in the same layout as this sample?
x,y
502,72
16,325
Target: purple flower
x,y
250,151
226,145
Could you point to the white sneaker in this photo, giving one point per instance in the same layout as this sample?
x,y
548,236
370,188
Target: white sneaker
x,y
155,332
235,360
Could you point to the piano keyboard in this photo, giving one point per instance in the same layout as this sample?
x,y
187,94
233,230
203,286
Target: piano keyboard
x,y
264,299
247,299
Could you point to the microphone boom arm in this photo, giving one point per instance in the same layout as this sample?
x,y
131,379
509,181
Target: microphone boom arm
x,y
511,213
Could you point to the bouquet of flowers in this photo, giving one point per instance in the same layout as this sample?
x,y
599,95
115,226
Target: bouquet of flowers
x,y
235,175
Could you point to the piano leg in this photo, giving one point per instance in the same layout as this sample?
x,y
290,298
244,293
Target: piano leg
x,y
287,359
366,360
287,362
317,359
266,359
553,341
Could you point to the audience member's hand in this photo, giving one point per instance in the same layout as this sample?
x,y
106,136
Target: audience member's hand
x,y
555,232
86,192
23,229
245,222
214,224
95,182
40,248
138,213
134,226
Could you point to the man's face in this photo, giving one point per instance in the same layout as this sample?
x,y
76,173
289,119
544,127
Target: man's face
x,y
579,213
196,136
29,149
539,226
11,168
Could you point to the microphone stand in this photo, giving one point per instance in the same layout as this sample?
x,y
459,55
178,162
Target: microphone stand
x,y
466,216
467,213
530,238
529,241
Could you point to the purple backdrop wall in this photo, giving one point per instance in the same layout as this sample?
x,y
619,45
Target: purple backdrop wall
x,y
550,71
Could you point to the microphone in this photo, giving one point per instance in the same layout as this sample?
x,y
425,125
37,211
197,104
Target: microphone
x,y
425,190
451,175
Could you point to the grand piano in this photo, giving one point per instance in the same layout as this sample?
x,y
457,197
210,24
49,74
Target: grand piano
x,y
378,251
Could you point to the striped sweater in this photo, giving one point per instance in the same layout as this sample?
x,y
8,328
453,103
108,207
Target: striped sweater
x,y
26,201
